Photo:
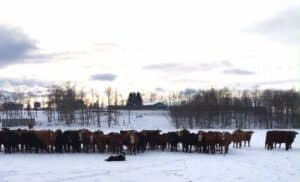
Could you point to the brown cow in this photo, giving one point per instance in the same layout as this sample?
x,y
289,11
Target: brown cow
x,y
201,141
210,141
273,137
86,138
239,136
225,140
47,137
131,140
100,141
115,142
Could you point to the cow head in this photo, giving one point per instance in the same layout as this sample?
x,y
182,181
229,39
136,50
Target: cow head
x,y
58,132
158,131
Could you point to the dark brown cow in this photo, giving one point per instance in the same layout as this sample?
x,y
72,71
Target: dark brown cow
x,y
161,140
273,137
47,137
115,142
151,137
142,145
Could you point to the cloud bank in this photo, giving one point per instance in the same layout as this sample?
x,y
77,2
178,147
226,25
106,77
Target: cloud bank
x,y
103,77
237,72
175,66
282,27
15,46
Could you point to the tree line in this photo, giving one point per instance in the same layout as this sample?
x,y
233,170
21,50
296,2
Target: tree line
x,y
214,108
249,109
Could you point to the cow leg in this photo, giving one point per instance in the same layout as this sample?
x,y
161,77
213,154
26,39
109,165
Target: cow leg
x,y
86,148
226,149
68,148
271,146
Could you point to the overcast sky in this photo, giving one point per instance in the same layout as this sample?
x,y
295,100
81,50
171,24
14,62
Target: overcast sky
x,y
150,45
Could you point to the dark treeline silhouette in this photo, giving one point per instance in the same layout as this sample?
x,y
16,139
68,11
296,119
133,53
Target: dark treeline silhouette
x,y
134,100
250,109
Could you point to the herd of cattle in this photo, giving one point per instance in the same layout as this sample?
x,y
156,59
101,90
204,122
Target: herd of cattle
x,y
83,140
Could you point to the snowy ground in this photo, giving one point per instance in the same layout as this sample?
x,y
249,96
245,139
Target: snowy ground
x,y
247,164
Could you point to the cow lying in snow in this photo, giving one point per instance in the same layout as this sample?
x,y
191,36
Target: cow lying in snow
x,y
120,157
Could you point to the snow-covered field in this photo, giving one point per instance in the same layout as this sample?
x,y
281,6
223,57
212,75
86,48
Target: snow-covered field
x,y
246,164
135,120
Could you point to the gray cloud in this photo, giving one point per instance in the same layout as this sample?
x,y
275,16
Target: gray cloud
x,y
175,66
163,66
18,48
104,77
268,84
237,72
159,89
283,27
14,45
276,82
24,82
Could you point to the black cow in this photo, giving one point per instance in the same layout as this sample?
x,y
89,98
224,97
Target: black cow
x,y
70,141
120,157
188,140
10,140
274,137
173,140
